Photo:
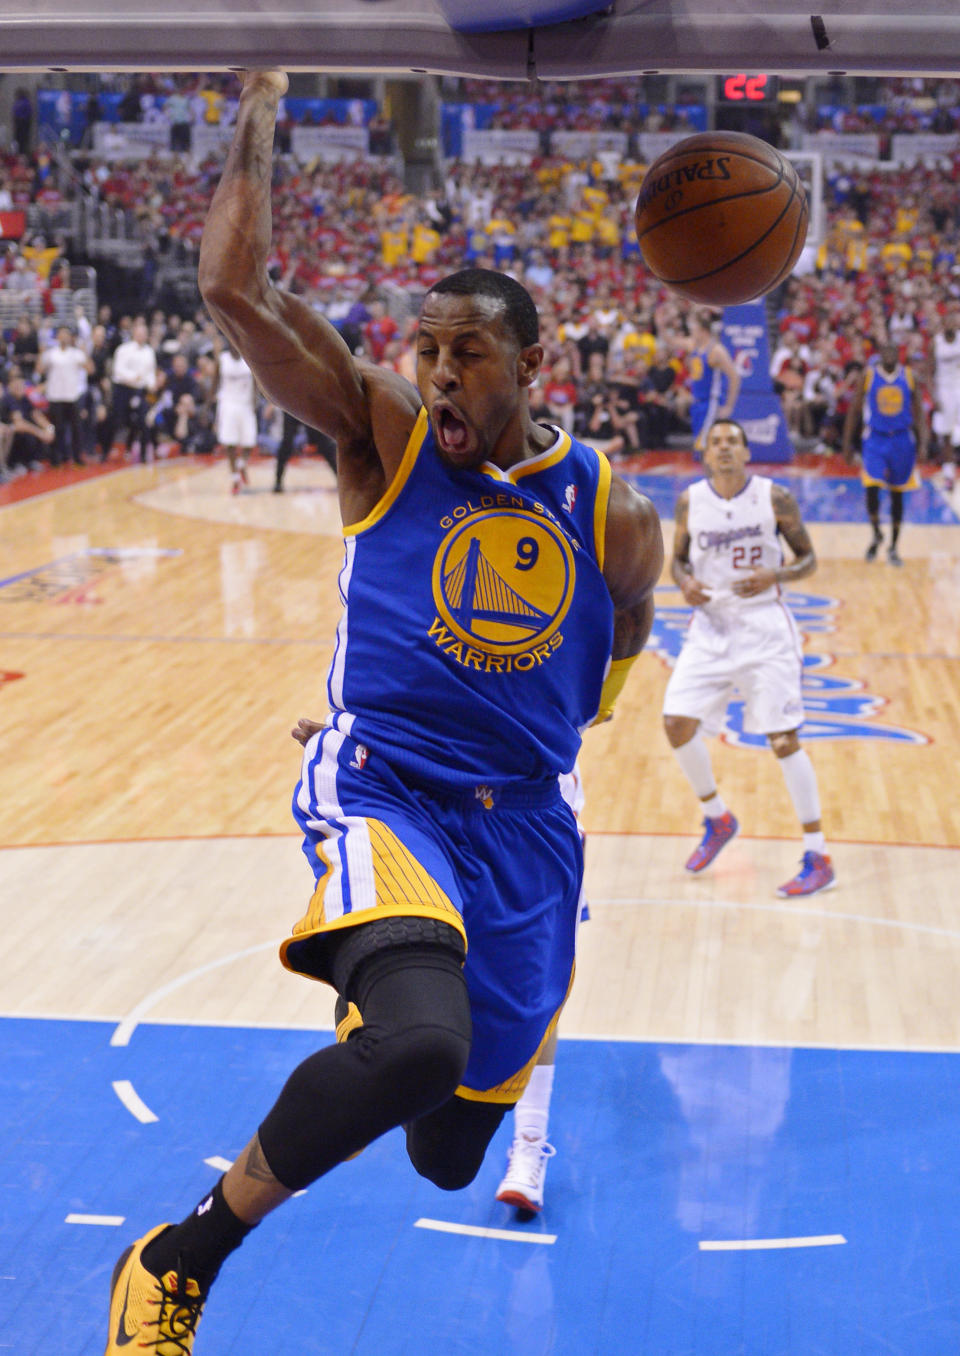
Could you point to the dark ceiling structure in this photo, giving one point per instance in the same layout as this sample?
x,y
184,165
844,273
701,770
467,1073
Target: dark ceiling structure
x,y
505,39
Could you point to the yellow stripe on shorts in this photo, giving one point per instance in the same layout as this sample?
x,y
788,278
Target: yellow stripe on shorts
x,y
401,888
512,1088
398,876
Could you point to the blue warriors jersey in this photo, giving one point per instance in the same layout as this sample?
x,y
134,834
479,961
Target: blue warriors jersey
x,y
477,626
888,401
705,383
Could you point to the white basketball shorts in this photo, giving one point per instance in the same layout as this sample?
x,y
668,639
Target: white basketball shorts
x,y
757,656
236,425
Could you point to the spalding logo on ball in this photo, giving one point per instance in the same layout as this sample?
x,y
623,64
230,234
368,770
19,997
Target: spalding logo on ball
x,y
721,218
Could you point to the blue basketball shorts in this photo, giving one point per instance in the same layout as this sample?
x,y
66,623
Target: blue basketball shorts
x,y
889,460
504,866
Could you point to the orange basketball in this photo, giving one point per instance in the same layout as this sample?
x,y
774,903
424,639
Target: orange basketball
x,y
721,218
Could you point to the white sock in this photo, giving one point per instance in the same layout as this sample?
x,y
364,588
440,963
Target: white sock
x,y
801,782
714,807
694,760
531,1115
815,842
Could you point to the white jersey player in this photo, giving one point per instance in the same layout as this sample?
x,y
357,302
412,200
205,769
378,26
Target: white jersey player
x,y
729,565
236,413
946,390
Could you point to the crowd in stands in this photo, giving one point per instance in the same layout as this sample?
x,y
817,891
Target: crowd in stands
x,y
572,105
361,250
898,105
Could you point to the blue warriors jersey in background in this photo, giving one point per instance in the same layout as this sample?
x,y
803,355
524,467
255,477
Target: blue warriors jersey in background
x,y
477,626
889,444
708,387
888,401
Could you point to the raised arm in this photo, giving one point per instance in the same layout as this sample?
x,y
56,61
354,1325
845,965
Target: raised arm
x,y
298,359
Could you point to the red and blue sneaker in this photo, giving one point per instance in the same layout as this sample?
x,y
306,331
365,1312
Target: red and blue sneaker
x,y
816,873
716,834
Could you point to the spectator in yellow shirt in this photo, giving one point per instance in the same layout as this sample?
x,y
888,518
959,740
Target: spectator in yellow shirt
x,y
394,244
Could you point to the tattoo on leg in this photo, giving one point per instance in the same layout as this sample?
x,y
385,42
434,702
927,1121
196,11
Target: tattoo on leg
x,y
256,1166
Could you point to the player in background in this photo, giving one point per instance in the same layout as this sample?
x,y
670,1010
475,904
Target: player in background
x,y
729,566
945,381
887,404
236,413
713,377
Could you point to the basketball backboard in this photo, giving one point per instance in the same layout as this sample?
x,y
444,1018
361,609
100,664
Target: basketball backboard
x,y
555,39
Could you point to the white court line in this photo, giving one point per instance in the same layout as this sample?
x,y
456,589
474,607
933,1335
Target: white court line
x,y
95,1219
792,911
134,1104
129,1024
757,1244
443,1226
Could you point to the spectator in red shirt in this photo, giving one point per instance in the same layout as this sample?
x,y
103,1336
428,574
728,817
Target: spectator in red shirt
x,y
378,331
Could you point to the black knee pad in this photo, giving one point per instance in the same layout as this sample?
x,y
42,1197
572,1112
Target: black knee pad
x,y
357,948
448,1145
406,1059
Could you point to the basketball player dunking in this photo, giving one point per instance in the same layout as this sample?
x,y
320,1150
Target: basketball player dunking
x,y
498,582
728,563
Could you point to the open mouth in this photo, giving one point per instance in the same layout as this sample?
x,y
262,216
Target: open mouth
x,y
452,432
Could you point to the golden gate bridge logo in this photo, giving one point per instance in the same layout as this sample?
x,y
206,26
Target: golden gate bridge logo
x,y
502,581
476,593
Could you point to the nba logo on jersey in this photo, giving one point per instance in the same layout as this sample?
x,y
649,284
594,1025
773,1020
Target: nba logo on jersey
x,y
569,497
360,756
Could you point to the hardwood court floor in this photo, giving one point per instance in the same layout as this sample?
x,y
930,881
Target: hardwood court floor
x,y
168,635
158,638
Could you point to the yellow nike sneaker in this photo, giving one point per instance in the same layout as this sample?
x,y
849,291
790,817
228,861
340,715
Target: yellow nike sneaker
x,y
147,1314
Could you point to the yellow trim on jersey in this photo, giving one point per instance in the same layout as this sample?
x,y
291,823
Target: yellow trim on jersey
x,y
612,687
511,1089
600,505
411,451
531,466
543,461
912,484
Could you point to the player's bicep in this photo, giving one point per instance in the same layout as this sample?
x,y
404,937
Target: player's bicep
x,y
299,361
634,547
790,524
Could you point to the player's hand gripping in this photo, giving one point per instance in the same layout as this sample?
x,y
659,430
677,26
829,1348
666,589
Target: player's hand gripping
x,y
693,591
757,582
305,729
273,81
